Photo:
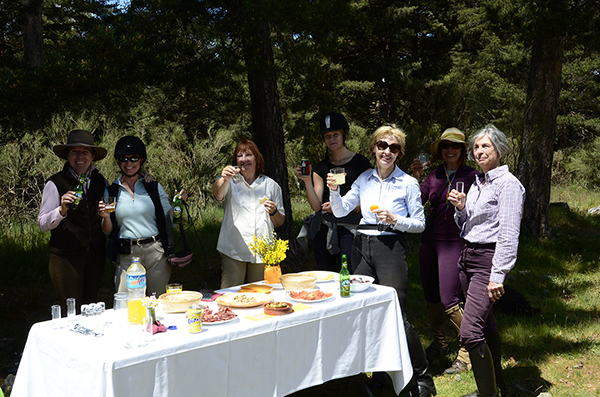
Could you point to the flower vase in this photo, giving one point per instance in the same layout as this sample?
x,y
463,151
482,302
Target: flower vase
x,y
272,274
151,321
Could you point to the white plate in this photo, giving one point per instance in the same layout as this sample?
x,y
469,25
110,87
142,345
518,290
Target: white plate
x,y
219,322
308,300
323,276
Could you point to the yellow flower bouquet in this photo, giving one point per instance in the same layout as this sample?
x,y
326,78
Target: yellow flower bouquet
x,y
272,250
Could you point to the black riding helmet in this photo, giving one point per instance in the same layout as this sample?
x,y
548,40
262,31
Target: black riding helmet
x,y
130,146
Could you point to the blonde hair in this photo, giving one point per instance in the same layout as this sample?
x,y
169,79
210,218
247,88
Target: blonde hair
x,y
388,130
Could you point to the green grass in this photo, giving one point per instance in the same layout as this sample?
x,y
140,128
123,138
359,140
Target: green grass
x,y
557,349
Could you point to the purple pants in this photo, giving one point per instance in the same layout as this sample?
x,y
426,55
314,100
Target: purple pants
x,y
475,266
438,261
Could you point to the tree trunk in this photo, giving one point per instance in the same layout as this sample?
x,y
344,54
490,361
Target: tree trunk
x,y
535,165
32,54
267,125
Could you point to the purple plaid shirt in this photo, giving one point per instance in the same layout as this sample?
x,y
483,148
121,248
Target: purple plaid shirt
x,y
493,214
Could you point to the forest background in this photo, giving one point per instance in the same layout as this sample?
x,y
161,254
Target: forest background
x,y
191,78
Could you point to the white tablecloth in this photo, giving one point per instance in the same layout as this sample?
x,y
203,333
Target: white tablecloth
x,y
273,357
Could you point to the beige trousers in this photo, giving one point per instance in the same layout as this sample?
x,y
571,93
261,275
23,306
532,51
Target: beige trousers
x,y
154,260
234,272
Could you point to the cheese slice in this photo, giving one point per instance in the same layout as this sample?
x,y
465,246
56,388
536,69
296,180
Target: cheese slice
x,y
261,289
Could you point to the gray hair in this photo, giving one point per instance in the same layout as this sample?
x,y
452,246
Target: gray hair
x,y
499,140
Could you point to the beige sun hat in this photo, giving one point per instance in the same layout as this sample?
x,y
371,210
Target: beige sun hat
x,y
450,134
79,138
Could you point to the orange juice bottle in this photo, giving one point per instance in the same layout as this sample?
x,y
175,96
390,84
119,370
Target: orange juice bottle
x,y
136,291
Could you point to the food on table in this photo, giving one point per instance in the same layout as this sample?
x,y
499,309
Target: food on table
x,y
263,289
277,305
222,314
374,207
243,299
357,280
277,308
262,199
310,295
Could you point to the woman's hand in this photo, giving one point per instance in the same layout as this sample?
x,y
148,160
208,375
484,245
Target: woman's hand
x,y
182,194
457,199
305,178
147,177
331,182
495,291
228,172
65,201
385,216
417,167
101,209
327,207
270,207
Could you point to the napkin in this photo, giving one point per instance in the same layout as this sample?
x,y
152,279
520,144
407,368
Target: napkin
x,y
158,327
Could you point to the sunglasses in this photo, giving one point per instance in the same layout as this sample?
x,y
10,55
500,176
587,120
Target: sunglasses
x,y
394,147
123,159
453,145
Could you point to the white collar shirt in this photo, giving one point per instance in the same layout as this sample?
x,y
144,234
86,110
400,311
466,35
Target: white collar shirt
x,y
399,193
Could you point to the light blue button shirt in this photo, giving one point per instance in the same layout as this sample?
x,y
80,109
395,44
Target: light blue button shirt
x,y
399,193
135,215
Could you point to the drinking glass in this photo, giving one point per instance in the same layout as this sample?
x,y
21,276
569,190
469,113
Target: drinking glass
x,y
174,288
120,306
460,186
340,175
236,177
71,310
423,159
110,203
56,317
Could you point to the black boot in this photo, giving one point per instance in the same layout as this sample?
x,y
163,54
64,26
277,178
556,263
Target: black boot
x,y
493,341
483,369
419,363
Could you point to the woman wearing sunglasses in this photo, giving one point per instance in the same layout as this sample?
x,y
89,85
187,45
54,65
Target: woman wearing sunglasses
x,y
390,201
138,226
440,245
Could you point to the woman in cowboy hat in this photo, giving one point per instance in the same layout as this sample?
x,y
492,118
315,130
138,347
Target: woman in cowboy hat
x,y
441,244
77,243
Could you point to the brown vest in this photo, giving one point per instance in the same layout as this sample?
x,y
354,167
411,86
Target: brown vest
x,y
81,230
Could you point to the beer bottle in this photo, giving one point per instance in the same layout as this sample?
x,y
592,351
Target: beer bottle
x,y
344,278
78,192
177,209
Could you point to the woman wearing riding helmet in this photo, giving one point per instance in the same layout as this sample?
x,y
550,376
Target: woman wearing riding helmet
x,y
140,223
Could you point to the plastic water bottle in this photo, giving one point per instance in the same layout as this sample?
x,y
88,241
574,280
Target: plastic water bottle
x,y
136,291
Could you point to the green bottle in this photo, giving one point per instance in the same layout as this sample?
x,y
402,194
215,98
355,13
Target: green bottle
x,y
78,192
344,278
177,209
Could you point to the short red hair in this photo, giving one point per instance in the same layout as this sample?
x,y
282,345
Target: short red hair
x,y
246,145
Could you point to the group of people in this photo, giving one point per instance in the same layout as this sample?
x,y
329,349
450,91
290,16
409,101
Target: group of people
x,y
139,226
468,246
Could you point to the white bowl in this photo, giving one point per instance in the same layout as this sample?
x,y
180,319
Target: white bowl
x,y
360,283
